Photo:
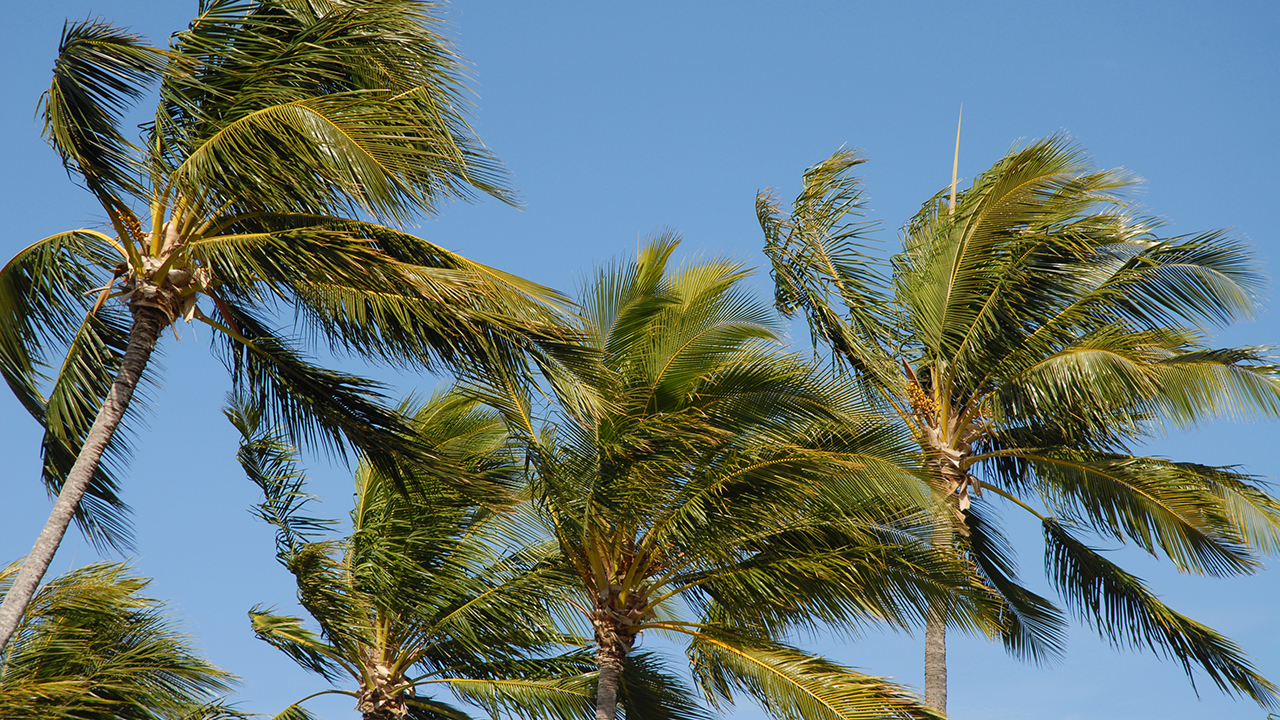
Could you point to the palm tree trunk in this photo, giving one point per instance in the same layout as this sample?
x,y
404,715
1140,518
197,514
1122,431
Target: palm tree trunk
x,y
611,653
935,636
935,663
147,324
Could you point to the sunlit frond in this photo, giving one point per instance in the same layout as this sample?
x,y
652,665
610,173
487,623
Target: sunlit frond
x,y
794,686
92,646
1125,612
100,71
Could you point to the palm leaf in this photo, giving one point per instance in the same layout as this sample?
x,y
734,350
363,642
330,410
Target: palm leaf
x,y
791,685
91,646
45,298
315,80
1125,612
318,407
99,72
304,647
1031,627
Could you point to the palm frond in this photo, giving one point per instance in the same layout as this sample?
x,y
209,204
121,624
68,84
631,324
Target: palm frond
x,y
534,698
303,646
317,407
1031,627
99,72
1235,383
648,691
272,465
818,257
46,311
91,646
1160,505
351,106
1125,612
791,685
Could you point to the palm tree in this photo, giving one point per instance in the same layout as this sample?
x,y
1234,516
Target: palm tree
x,y
277,122
1033,331
426,593
722,493
91,647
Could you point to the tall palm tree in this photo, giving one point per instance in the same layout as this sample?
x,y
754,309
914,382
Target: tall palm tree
x,y
91,647
723,494
277,122
1032,332
428,592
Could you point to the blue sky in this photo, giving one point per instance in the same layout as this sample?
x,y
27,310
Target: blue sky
x,y
618,120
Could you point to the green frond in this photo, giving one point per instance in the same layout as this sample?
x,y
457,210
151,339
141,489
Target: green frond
x,y
1233,383
317,407
303,646
43,300
272,465
820,258
1031,627
351,106
295,712
384,294
553,699
1160,505
791,685
648,691
955,273
809,574
91,646
421,708
1253,511
99,72
60,358
1125,612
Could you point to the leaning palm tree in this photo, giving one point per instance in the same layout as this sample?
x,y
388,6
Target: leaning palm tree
x,y
91,647
1032,332
725,495
429,592
277,122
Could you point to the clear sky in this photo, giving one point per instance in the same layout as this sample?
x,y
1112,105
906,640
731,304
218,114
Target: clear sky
x,y
616,120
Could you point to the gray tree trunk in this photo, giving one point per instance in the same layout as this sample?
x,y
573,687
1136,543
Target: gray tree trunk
x,y
611,653
935,663
147,324
935,635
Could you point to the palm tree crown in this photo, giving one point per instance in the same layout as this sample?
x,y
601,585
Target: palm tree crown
x,y
428,591
1032,332
723,492
91,647
285,134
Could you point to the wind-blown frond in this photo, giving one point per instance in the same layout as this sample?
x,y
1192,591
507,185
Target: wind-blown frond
x,y
272,465
319,407
819,258
648,691
791,685
1125,612
381,293
1158,504
91,646
303,646
1031,627
99,72
349,106
47,313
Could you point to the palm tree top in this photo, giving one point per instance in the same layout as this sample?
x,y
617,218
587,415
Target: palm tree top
x,y
1030,335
